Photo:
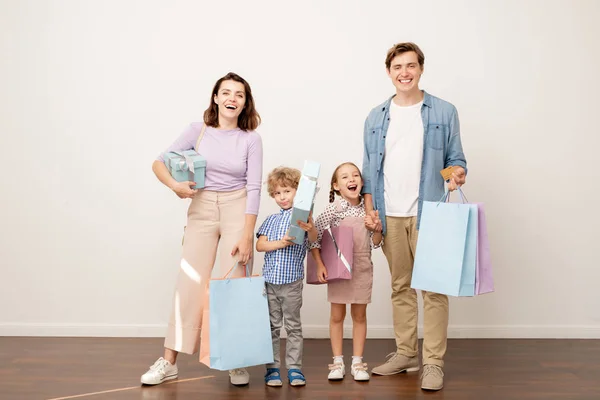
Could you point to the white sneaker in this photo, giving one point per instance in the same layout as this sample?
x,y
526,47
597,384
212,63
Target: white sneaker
x,y
161,371
239,377
336,371
359,372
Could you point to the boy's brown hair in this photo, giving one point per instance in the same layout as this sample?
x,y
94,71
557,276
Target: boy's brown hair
x,y
401,48
283,176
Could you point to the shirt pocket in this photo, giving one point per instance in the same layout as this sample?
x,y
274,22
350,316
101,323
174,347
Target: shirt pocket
x,y
436,136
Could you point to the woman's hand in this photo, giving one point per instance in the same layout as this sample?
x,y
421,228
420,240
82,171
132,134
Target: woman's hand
x,y
243,249
184,189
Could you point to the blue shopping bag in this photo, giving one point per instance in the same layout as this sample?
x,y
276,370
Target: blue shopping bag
x,y
240,329
446,254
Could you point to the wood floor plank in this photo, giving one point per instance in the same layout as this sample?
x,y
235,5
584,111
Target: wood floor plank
x,y
110,368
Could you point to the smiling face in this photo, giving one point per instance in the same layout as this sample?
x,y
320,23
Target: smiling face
x,y
405,72
230,99
348,183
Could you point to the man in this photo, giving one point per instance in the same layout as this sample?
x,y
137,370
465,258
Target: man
x,y
407,141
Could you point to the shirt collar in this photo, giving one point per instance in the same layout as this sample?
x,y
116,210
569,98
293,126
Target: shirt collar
x,y
426,101
346,204
283,212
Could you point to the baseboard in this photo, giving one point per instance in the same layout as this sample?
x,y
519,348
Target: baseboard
x,y
82,330
310,331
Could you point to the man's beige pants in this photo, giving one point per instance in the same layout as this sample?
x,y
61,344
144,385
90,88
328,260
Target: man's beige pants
x,y
215,220
399,248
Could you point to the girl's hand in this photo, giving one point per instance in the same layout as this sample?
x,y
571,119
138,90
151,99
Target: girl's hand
x,y
243,249
309,228
184,189
306,226
322,273
372,221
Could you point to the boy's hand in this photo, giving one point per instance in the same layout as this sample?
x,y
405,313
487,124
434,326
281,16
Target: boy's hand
x,y
287,241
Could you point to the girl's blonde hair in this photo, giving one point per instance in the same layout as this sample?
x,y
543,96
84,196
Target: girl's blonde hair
x,y
332,191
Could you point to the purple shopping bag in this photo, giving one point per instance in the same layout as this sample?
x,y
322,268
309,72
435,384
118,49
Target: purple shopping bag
x,y
484,281
337,250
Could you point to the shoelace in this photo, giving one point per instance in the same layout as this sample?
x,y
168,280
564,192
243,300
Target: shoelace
x,y
391,357
238,371
433,370
159,365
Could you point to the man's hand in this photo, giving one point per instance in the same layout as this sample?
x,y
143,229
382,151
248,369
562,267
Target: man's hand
x,y
458,178
372,221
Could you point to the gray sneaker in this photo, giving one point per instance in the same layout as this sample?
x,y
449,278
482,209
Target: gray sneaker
x,y
239,377
432,378
397,363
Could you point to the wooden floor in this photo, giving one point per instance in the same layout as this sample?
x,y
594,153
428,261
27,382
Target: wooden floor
x,y
103,368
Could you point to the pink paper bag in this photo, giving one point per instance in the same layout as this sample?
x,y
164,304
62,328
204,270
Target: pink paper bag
x,y
337,250
484,281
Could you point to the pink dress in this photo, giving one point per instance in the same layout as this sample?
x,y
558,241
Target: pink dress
x,y
358,289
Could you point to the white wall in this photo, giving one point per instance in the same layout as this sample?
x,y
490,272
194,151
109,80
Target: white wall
x,y
93,91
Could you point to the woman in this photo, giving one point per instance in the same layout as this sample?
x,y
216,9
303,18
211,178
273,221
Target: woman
x,y
222,215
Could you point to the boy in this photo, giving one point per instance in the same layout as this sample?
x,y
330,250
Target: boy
x,y
284,272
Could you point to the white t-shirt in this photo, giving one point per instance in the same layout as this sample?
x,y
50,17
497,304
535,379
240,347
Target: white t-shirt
x,y
402,163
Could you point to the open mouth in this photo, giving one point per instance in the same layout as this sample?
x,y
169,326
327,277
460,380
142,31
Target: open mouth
x,y
230,107
405,81
352,188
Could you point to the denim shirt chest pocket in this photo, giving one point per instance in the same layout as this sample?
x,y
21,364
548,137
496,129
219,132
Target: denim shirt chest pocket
x,y
437,136
374,148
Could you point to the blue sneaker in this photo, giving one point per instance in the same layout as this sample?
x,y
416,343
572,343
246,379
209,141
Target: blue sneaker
x,y
272,377
296,377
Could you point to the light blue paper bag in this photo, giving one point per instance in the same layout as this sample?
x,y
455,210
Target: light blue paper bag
x,y
240,329
304,200
446,255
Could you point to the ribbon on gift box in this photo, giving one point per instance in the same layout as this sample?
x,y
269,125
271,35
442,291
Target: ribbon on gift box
x,y
186,163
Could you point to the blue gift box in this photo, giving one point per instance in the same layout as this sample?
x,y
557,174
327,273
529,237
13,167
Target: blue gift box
x,y
186,165
304,200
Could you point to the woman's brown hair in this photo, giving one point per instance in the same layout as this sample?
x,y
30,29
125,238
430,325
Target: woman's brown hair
x,y
249,118
332,191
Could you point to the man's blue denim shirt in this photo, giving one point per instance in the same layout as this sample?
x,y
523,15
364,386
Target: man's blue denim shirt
x,y
441,148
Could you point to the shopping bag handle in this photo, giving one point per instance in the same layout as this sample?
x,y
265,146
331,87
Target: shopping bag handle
x,y
446,197
228,274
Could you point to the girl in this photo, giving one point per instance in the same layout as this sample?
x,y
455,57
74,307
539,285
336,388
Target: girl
x,y
221,216
348,211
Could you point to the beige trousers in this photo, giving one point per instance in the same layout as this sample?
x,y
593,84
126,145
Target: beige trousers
x,y
399,248
215,220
